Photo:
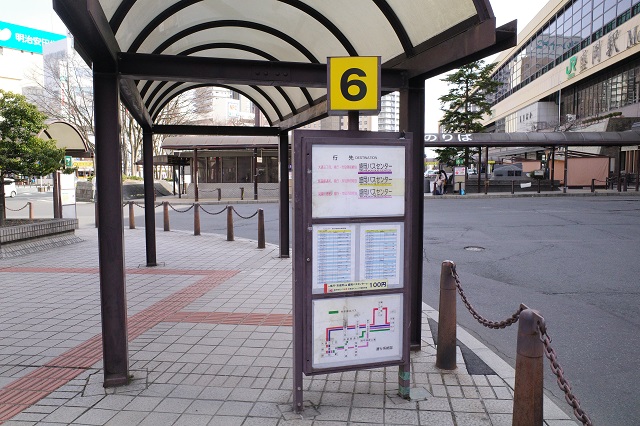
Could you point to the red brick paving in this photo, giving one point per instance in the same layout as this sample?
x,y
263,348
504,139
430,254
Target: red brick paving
x,y
28,390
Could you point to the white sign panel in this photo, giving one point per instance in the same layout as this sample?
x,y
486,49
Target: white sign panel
x,y
357,330
357,181
357,257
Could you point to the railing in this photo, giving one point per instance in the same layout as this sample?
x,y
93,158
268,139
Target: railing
x,y
197,207
533,342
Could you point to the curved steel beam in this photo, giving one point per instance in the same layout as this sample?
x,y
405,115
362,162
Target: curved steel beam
x,y
271,101
154,115
241,24
126,6
397,26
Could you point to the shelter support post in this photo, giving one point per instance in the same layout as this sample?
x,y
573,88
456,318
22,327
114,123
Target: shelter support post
x,y
566,169
110,231
619,169
354,120
283,155
412,120
479,168
194,173
254,166
637,157
553,167
149,205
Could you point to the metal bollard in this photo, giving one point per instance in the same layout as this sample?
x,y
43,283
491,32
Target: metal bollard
x,y
539,185
30,210
229,223
625,182
460,188
513,186
486,187
446,345
219,193
165,214
196,218
132,218
593,185
241,193
261,242
527,395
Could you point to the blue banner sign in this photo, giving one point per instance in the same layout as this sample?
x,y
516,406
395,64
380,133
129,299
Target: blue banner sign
x,y
23,38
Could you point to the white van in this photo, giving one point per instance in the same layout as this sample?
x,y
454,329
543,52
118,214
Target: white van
x,y
10,188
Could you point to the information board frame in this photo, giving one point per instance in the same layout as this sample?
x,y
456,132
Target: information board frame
x,y
303,265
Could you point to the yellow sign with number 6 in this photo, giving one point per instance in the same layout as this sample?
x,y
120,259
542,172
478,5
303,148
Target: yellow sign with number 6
x,y
354,84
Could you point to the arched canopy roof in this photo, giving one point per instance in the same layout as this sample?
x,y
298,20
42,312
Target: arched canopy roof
x,y
274,51
67,136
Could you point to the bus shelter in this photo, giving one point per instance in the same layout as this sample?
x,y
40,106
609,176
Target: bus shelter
x,y
274,52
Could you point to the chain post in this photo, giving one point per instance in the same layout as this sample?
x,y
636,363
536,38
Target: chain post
x,y
513,187
132,218
446,345
527,394
219,193
229,223
261,239
196,219
30,210
165,214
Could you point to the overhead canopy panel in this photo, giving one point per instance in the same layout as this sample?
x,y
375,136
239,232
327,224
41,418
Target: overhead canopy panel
x,y
228,40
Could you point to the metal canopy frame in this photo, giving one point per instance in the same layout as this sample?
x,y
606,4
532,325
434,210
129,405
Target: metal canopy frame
x,y
259,56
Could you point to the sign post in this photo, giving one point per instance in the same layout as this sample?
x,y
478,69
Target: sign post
x,y
351,304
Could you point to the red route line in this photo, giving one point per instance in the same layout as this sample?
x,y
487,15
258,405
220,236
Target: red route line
x,y
31,388
150,271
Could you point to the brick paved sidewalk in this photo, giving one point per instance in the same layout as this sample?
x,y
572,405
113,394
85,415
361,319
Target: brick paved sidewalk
x,y
209,344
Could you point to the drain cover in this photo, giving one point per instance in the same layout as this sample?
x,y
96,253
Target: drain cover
x,y
474,248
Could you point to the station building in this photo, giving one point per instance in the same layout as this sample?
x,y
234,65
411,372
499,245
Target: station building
x,y
576,67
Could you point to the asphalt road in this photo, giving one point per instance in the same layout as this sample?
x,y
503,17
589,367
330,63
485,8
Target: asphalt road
x,y
575,259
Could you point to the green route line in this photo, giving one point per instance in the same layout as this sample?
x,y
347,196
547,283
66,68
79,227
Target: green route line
x,y
334,312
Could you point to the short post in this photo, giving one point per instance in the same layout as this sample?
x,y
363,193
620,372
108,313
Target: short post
x,y
593,185
486,187
229,223
446,345
539,185
242,193
460,188
219,193
261,242
165,213
625,182
527,395
30,210
95,211
132,218
196,218
513,186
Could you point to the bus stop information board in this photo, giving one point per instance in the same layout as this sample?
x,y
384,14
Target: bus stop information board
x,y
350,220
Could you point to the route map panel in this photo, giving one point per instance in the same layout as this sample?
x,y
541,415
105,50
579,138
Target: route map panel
x,y
357,330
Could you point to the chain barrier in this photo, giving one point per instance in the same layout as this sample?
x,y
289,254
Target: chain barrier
x,y
563,384
16,210
487,323
180,211
243,217
212,214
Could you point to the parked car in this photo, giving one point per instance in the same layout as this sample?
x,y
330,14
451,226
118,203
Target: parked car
x,y
10,188
431,174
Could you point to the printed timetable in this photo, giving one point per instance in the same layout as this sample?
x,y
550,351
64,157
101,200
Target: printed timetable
x,y
357,257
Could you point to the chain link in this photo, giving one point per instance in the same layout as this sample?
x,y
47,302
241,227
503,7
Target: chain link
x,y
244,217
487,323
16,210
563,384
180,211
212,214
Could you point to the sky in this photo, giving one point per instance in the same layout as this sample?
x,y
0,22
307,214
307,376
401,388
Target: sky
x,y
39,14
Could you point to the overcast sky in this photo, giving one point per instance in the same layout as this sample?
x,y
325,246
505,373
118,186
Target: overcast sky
x,y
39,14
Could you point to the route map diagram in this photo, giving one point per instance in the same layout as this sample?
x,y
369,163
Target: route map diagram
x,y
357,330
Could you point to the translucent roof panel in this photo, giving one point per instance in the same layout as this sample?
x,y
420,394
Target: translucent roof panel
x,y
295,31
